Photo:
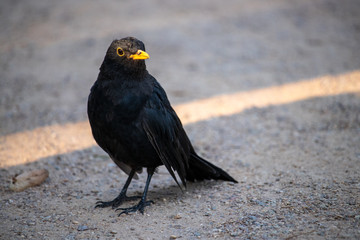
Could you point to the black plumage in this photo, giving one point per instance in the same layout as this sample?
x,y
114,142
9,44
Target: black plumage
x,y
132,120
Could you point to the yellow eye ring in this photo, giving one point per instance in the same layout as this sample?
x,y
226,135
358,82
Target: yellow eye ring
x,y
120,51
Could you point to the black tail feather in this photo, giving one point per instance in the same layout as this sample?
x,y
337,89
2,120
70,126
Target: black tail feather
x,y
200,169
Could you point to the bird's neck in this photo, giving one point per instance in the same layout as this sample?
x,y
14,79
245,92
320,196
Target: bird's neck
x,y
135,72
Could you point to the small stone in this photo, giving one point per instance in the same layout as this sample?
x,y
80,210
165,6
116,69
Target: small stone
x,y
333,229
253,218
75,222
173,237
177,226
82,228
323,206
70,237
177,216
30,223
47,218
113,232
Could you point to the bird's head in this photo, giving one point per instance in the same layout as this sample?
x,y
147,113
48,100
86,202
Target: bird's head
x,y
126,55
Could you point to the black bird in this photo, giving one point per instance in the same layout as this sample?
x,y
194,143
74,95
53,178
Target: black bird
x,y
132,120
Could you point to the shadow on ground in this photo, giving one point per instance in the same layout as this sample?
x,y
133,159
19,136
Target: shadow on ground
x,y
296,164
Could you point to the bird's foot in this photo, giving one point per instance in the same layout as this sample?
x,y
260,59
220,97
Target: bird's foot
x,y
138,207
116,202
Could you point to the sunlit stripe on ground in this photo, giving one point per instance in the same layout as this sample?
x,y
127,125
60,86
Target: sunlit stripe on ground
x,y
234,103
29,146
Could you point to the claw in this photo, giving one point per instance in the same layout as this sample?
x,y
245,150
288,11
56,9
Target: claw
x,y
139,207
101,204
122,196
116,202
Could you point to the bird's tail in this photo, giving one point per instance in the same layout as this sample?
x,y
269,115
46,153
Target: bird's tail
x,y
200,169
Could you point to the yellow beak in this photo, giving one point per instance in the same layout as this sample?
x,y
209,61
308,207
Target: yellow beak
x,y
140,55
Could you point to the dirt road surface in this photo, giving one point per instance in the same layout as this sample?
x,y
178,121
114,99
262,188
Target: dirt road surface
x,y
268,90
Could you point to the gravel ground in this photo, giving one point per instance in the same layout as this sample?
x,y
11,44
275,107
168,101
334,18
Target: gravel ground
x,y
297,161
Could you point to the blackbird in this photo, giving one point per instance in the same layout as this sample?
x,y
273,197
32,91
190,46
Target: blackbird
x,y
132,120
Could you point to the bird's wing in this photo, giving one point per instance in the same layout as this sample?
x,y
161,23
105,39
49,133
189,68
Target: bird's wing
x,y
166,134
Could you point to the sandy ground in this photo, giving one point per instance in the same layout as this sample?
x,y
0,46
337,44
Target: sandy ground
x,y
268,90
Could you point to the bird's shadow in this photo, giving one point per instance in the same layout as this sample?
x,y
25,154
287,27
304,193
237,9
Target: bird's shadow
x,y
167,191
90,174
173,193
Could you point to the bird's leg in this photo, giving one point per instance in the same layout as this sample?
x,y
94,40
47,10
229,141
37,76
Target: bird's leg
x,y
143,203
122,196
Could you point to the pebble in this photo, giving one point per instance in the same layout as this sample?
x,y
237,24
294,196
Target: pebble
x,y
173,237
82,228
47,218
70,237
333,229
113,232
253,218
176,226
30,223
234,234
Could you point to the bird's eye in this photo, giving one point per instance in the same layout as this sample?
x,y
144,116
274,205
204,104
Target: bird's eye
x,y
120,52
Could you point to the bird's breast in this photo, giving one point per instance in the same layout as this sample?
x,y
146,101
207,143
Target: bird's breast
x,y
117,103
